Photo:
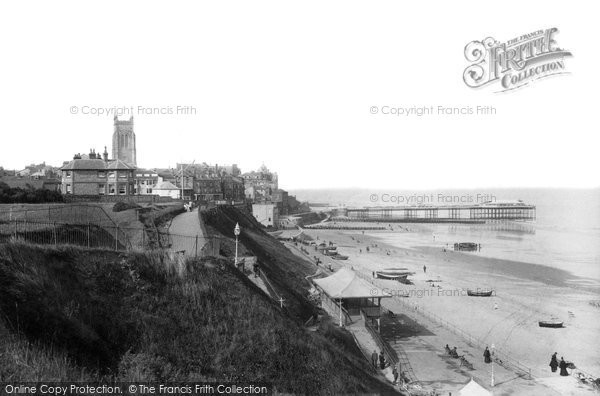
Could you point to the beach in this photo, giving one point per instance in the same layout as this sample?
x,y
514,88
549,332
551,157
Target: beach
x,y
524,294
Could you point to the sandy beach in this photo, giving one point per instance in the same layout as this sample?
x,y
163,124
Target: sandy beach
x,y
523,295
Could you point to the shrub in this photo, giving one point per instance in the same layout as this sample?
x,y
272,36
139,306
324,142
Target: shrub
x,y
124,205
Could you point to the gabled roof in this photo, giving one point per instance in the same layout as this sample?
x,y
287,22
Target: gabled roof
x,y
346,284
165,185
119,165
97,164
85,164
474,389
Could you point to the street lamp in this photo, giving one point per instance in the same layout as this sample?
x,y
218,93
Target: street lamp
x,y
236,231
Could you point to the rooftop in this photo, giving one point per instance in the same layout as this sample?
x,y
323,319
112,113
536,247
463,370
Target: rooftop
x,y
346,284
97,164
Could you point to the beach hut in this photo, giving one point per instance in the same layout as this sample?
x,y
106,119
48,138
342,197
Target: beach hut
x,y
474,389
345,295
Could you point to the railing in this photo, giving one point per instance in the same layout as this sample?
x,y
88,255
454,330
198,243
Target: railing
x,y
500,355
388,352
103,236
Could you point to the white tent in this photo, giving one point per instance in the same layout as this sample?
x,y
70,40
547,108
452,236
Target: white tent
x,y
474,389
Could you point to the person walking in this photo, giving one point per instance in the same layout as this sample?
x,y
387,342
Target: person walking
x,y
563,367
487,356
424,269
553,363
381,360
374,359
395,374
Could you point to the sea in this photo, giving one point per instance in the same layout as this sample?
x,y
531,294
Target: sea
x,y
565,234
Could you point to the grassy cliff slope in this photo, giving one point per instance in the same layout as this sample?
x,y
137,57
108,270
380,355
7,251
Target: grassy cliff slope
x,y
68,313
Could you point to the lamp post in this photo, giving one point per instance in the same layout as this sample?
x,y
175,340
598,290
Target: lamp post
x,y
492,384
236,231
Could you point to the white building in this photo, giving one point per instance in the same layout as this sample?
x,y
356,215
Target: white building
x,y
166,189
266,214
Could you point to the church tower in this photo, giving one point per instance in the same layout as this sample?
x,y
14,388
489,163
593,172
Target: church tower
x,y
123,141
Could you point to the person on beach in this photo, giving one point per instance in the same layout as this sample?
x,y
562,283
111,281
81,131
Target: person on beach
x,y
454,352
374,359
447,349
381,360
424,269
563,367
395,373
487,356
553,363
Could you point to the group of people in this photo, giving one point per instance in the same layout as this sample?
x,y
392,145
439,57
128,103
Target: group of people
x,y
452,352
379,362
554,364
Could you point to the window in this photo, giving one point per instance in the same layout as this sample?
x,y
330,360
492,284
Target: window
x,y
111,174
101,189
68,189
68,174
122,175
101,174
111,189
122,189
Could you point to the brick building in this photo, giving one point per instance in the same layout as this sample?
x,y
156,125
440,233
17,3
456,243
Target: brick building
x,y
97,175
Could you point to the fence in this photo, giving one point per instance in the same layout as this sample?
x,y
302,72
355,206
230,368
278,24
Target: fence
x,y
500,356
105,236
388,352
72,213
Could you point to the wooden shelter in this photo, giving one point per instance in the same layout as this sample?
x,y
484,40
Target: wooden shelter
x,y
346,295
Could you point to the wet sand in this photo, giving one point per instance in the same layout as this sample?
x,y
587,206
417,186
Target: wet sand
x,y
524,294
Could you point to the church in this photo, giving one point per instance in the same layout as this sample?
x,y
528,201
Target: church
x,y
123,141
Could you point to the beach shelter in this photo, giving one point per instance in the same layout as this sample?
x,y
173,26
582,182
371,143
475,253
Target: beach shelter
x,y
474,389
346,295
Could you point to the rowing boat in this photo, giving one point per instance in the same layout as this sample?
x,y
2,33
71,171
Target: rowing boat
x,y
555,324
479,293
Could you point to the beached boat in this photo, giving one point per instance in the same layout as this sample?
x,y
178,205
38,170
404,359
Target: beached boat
x,y
393,273
466,246
555,324
479,293
339,257
383,275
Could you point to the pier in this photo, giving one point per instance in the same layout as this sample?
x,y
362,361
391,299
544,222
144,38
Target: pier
x,y
479,213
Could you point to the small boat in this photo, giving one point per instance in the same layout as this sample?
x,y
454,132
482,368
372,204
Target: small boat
x,y
391,276
555,324
466,246
479,293
393,273
339,257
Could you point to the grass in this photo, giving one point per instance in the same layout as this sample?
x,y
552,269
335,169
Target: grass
x,y
70,314
285,270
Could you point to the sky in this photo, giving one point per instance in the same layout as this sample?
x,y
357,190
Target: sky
x,y
293,84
